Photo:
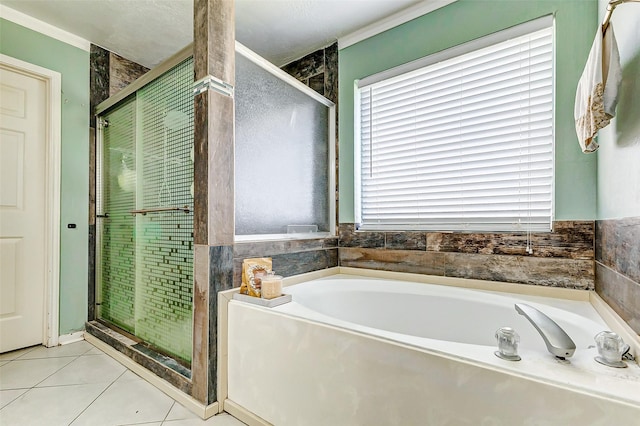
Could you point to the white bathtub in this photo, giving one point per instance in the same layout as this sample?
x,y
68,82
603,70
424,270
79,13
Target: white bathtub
x,y
352,350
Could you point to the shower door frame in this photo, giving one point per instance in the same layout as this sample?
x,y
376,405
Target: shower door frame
x,y
101,110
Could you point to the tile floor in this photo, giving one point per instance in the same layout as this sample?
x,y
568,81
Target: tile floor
x,y
77,384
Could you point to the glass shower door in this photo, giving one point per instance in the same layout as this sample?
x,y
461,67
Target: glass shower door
x,y
145,264
116,198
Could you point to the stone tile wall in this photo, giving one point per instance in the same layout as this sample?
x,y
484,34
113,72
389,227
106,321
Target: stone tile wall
x,y
617,258
109,73
318,70
291,257
562,258
123,72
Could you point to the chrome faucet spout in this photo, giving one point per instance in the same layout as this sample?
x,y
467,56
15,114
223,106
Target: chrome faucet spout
x,y
558,342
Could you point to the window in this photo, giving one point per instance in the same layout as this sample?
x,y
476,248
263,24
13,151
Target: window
x,y
462,139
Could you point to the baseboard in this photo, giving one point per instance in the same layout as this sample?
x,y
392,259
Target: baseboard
x,y
212,410
65,339
243,414
196,407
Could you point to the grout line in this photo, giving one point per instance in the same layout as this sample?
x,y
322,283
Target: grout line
x,y
48,357
17,389
70,384
167,415
15,359
14,399
618,273
36,385
88,350
96,398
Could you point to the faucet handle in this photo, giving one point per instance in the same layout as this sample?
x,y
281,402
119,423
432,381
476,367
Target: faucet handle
x,y
508,341
611,347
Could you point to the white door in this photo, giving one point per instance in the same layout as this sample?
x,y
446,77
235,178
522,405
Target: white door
x,y
23,169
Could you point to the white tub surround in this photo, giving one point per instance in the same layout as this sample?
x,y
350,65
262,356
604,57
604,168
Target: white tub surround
x,y
357,350
296,372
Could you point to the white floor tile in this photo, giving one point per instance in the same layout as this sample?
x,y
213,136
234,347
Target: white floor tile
x,y
129,376
6,396
28,373
144,424
223,419
127,402
86,369
72,349
179,412
71,382
50,406
93,351
7,356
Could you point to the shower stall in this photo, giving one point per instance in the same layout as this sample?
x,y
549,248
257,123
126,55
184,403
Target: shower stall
x,y
284,182
145,209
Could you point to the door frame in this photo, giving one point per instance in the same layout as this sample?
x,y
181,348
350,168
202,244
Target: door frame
x,y
53,130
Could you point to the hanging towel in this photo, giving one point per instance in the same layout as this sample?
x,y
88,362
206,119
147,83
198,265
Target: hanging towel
x,y
597,93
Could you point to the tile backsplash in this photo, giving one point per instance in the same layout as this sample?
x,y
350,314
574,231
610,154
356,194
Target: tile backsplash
x,y
617,259
290,257
561,258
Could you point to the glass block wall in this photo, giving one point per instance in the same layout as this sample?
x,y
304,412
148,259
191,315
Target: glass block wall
x,y
146,259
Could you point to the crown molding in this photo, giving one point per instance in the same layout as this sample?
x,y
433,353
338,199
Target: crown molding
x,y
392,21
43,28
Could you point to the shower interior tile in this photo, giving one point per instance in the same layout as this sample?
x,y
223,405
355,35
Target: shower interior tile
x,y
72,349
50,406
86,369
28,373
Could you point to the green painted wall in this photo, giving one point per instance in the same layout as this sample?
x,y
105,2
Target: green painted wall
x,y
465,20
619,152
73,63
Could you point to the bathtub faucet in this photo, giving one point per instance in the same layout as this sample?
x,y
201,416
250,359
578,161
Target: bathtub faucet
x,y
557,341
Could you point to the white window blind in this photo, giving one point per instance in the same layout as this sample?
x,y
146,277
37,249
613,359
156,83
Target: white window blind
x,y
464,143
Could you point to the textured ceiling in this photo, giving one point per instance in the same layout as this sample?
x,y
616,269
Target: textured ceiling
x,y
148,31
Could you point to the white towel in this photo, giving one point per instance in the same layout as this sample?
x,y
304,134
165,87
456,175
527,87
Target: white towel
x,y
597,93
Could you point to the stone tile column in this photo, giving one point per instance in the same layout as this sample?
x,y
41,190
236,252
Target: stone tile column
x,y
214,69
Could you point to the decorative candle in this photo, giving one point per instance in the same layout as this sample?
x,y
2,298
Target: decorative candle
x,y
271,286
